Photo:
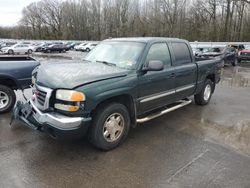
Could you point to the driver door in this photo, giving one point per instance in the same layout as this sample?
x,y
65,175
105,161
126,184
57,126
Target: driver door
x,y
156,88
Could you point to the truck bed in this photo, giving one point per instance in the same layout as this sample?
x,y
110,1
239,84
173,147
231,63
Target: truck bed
x,y
17,69
15,58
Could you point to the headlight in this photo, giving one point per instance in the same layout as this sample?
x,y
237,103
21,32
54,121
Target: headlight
x,y
69,100
69,95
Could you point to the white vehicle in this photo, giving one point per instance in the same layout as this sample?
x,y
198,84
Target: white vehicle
x,y
80,46
89,47
18,49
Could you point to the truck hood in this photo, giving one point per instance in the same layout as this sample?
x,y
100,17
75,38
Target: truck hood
x,y
72,75
248,51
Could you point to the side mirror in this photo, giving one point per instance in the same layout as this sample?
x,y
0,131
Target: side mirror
x,y
154,65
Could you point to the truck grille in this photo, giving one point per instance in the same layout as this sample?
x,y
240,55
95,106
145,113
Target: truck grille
x,y
245,53
43,95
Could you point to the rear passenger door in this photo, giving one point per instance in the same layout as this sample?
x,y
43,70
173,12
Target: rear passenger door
x,y
156,88
185,70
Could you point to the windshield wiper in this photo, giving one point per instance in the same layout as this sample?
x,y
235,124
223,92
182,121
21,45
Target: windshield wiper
x,y
107,63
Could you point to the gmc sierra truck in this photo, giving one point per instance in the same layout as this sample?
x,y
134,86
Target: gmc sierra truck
x,y
121,83
15,73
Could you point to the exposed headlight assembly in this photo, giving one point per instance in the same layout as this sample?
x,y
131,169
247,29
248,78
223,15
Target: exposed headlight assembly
x,y
69,100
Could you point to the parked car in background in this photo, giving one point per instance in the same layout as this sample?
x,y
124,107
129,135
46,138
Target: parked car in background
x,y
71,45
228,55
88,47
244,55
6,44
199,50
18,49
15,73
55,48
80,46
239,47
42,46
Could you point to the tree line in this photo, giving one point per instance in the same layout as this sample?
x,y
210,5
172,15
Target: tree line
x,y
194,20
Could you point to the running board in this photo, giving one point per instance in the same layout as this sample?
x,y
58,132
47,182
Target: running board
x,y
183,102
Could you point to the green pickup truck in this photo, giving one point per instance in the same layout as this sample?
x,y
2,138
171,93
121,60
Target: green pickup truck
x,y
121,83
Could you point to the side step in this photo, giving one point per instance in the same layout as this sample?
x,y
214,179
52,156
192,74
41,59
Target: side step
x,y
180,104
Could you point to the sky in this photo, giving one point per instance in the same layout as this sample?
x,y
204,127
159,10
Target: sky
x,y
11,11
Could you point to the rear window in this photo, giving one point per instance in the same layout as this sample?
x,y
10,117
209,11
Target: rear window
x,y
181,53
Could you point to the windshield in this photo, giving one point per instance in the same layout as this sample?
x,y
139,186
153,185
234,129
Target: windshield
x,y
120,54
247,47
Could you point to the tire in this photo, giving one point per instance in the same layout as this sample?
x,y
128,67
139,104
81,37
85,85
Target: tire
x,y
30,51
11,52
103,123
7,99
235,63
223,63
87,50
205,95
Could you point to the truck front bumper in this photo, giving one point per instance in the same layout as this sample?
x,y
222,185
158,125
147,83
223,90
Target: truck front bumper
x,y
55,124
244,58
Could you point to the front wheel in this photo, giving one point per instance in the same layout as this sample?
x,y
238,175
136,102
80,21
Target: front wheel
x,y
7,99
205,95
110,126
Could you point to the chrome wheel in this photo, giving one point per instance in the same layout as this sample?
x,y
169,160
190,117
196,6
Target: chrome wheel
x,y
4,99
207,92
113,127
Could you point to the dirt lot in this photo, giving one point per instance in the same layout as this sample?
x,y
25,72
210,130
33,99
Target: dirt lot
x,y
191,147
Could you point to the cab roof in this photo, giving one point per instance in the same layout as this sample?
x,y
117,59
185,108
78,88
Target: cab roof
x,y
147,39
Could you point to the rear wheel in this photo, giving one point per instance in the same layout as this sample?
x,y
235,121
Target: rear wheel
x,y
204,96
10,52
30,51
110,126
7,99
87,50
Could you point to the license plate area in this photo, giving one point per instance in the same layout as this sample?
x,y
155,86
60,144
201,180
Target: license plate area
x,y
26,110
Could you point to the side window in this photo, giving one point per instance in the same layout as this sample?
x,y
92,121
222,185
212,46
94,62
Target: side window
x,y
159,52
181,53
232,50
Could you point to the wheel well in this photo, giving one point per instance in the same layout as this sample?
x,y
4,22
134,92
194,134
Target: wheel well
x,y
126,100
212,78
8,82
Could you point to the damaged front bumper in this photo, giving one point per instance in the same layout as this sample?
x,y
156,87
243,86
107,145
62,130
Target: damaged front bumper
x,y
55,124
